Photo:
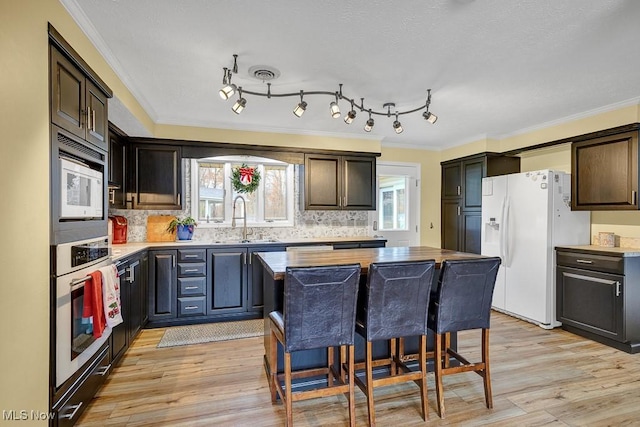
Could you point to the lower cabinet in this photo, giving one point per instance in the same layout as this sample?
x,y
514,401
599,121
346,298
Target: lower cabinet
x,y
226,280
163,281
133,302
598,297
256,297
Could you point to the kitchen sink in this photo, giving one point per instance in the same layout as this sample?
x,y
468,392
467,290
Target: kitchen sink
x,y
229,242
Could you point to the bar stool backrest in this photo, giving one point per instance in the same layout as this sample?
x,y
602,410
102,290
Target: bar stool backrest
x,y
464,293
397,299
320,306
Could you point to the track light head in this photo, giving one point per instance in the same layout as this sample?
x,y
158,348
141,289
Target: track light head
x,y
397,126
239,105
430,117
300,109
369,125
334,109
350,117
228,91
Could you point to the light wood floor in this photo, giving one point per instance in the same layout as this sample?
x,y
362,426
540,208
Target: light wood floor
x,y
539,377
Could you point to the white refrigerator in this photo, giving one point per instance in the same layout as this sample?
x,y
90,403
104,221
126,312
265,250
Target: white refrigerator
x,y
524,216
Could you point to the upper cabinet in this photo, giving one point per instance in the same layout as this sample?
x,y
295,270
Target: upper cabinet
x,y
117,170
156,176
77,104
333,182
605,173
461,193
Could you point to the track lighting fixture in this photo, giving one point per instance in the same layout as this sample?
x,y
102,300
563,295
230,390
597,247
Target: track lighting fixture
x,y
240,103
369,125
229,89
301,107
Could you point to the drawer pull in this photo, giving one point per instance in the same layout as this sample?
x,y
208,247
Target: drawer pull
x,y
103,370
191,270
73,413
190,287
191,307
584,261
191,256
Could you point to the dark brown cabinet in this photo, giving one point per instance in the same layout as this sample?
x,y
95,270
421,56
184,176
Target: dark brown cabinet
x,y
254,286
605,173
227,280
598,297
461,204
339,182
117,170
163,285
156,176
77,104
192,282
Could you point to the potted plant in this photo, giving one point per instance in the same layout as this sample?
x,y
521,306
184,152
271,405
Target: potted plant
x,y
184,227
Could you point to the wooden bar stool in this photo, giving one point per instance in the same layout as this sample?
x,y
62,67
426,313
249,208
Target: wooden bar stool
x,y
394,305
462,302
319,311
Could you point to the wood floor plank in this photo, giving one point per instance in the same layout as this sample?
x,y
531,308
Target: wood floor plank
x,y
539,377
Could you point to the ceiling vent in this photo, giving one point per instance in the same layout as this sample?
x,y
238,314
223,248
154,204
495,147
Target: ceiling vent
x,y
264,73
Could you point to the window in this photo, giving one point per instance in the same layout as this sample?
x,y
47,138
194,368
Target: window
x,y
394,204
270,205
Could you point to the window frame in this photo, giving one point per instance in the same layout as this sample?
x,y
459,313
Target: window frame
x,y
229,193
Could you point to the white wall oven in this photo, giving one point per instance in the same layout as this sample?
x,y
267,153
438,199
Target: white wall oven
x,y
81,190
75,341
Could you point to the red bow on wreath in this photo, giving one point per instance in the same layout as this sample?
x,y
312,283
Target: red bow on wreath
x,y
246,175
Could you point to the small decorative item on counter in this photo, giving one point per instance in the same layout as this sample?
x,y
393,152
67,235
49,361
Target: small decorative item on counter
x,y
245,179
184,227
607,239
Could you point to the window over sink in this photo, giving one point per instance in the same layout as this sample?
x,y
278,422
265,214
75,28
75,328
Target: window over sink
x,y
271,205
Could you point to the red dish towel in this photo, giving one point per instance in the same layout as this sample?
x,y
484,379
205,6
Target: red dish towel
x,y
93,303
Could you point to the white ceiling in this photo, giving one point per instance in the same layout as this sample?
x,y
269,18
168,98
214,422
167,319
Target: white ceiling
x,y
495,67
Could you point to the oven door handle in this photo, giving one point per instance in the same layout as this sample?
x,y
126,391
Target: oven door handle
x,y
78,281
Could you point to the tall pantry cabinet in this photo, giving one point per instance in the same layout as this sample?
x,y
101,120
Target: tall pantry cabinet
x,y
461,197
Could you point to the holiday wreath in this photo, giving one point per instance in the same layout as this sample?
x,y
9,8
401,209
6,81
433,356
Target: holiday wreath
x,y
245,179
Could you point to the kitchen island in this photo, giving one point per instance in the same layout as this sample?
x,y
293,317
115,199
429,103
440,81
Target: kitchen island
x,y
274,266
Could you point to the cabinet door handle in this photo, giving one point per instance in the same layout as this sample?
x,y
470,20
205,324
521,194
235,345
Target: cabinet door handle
x,y
458,190
102,371
458,208
584,261
93,120
73,413
617,289
244,258
634,197
178,198
173,261
88,118
250,257
344,201
112,197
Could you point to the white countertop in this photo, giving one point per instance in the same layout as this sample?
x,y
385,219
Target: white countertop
x,y
119,251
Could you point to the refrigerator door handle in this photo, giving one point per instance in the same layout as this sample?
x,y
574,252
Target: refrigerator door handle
x,y
505,246
502,227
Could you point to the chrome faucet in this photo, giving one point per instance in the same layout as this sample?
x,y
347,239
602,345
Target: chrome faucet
x,y
243,217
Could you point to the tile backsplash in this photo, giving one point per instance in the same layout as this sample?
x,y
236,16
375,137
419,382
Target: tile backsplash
x,y
307,224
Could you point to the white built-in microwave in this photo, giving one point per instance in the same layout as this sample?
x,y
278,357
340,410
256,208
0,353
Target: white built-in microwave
x,y
81,190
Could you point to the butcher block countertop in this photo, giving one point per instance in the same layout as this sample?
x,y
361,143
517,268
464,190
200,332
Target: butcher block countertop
x,y
275,263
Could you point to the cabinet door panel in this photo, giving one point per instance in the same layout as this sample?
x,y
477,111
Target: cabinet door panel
x,y
591,301
136,298
256,299
452,180
471,241
97,122
157,177
451,223
473,173
359,183
163,281
605,173
226,280
119,333
322,182
68,95
117,170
